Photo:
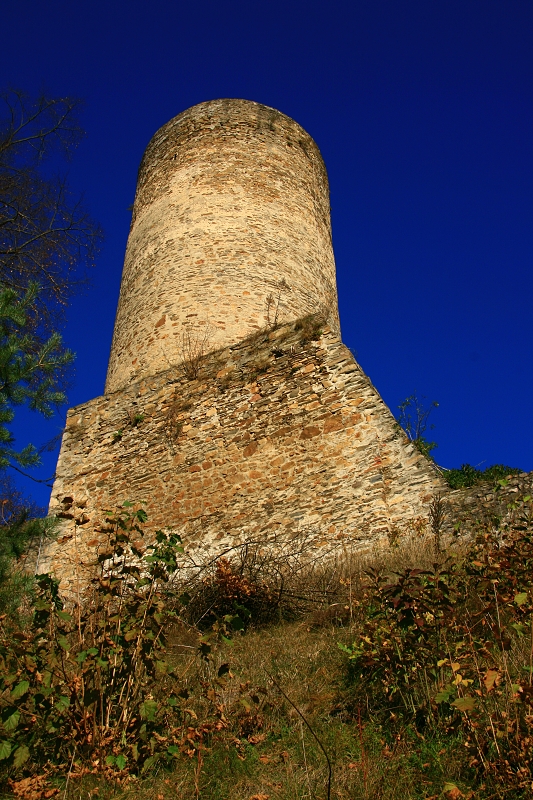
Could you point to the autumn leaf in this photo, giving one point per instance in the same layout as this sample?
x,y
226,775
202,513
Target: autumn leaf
x,y
464,704
491,679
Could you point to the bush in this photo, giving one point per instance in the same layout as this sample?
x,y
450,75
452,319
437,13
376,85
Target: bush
x,y
20,529
449,649
468,475
89,688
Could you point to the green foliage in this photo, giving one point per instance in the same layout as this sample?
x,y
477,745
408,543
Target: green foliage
x,y
20,528
91,686
15,539
444,648
30,371
468,476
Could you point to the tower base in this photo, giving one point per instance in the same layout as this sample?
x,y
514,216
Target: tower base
x,y
279,434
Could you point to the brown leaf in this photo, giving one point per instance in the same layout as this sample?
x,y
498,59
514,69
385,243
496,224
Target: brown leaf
x,y
492,678
259,797
452,792
257,738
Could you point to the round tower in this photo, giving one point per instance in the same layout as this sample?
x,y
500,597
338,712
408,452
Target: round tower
x,y
230,233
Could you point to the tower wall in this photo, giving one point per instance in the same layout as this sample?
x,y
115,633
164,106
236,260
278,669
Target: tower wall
x,y
230,231
280,436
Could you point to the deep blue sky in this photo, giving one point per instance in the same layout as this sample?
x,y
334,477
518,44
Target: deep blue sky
x,y
423,111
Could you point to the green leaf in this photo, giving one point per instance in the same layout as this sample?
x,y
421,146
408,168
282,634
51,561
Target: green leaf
x,y
81,657
519,628
149,763
444,695
63,642
63,703
11,722
464,703
20,689
344,648
521,598
110,761
236,622
21,756
148,710
120,761
5,749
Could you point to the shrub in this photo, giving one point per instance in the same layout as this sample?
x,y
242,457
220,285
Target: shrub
x,y
450,649
90,686
468,475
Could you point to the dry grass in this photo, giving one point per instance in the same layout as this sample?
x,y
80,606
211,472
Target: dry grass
x,y
286,688
294,725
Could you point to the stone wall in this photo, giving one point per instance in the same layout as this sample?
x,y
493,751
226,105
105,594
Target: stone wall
x,y
232,208
281,433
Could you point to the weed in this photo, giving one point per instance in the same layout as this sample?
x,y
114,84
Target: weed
x,y
195,344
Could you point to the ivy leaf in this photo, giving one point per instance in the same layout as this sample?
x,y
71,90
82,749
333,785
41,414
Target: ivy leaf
x,y
21,756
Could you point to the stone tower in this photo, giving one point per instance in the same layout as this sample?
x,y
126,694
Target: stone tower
x,y
231,406
230,228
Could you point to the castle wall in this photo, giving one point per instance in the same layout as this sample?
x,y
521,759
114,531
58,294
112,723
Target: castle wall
x,y
281,433
232,208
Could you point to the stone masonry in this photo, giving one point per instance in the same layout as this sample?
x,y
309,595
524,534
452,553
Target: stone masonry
x,y
281,433
231,406
232,208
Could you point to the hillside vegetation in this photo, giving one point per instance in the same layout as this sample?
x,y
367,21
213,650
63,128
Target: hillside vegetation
x,y
283,673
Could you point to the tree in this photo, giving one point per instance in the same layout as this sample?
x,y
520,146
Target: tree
x,y
413,418
30,371
46,235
